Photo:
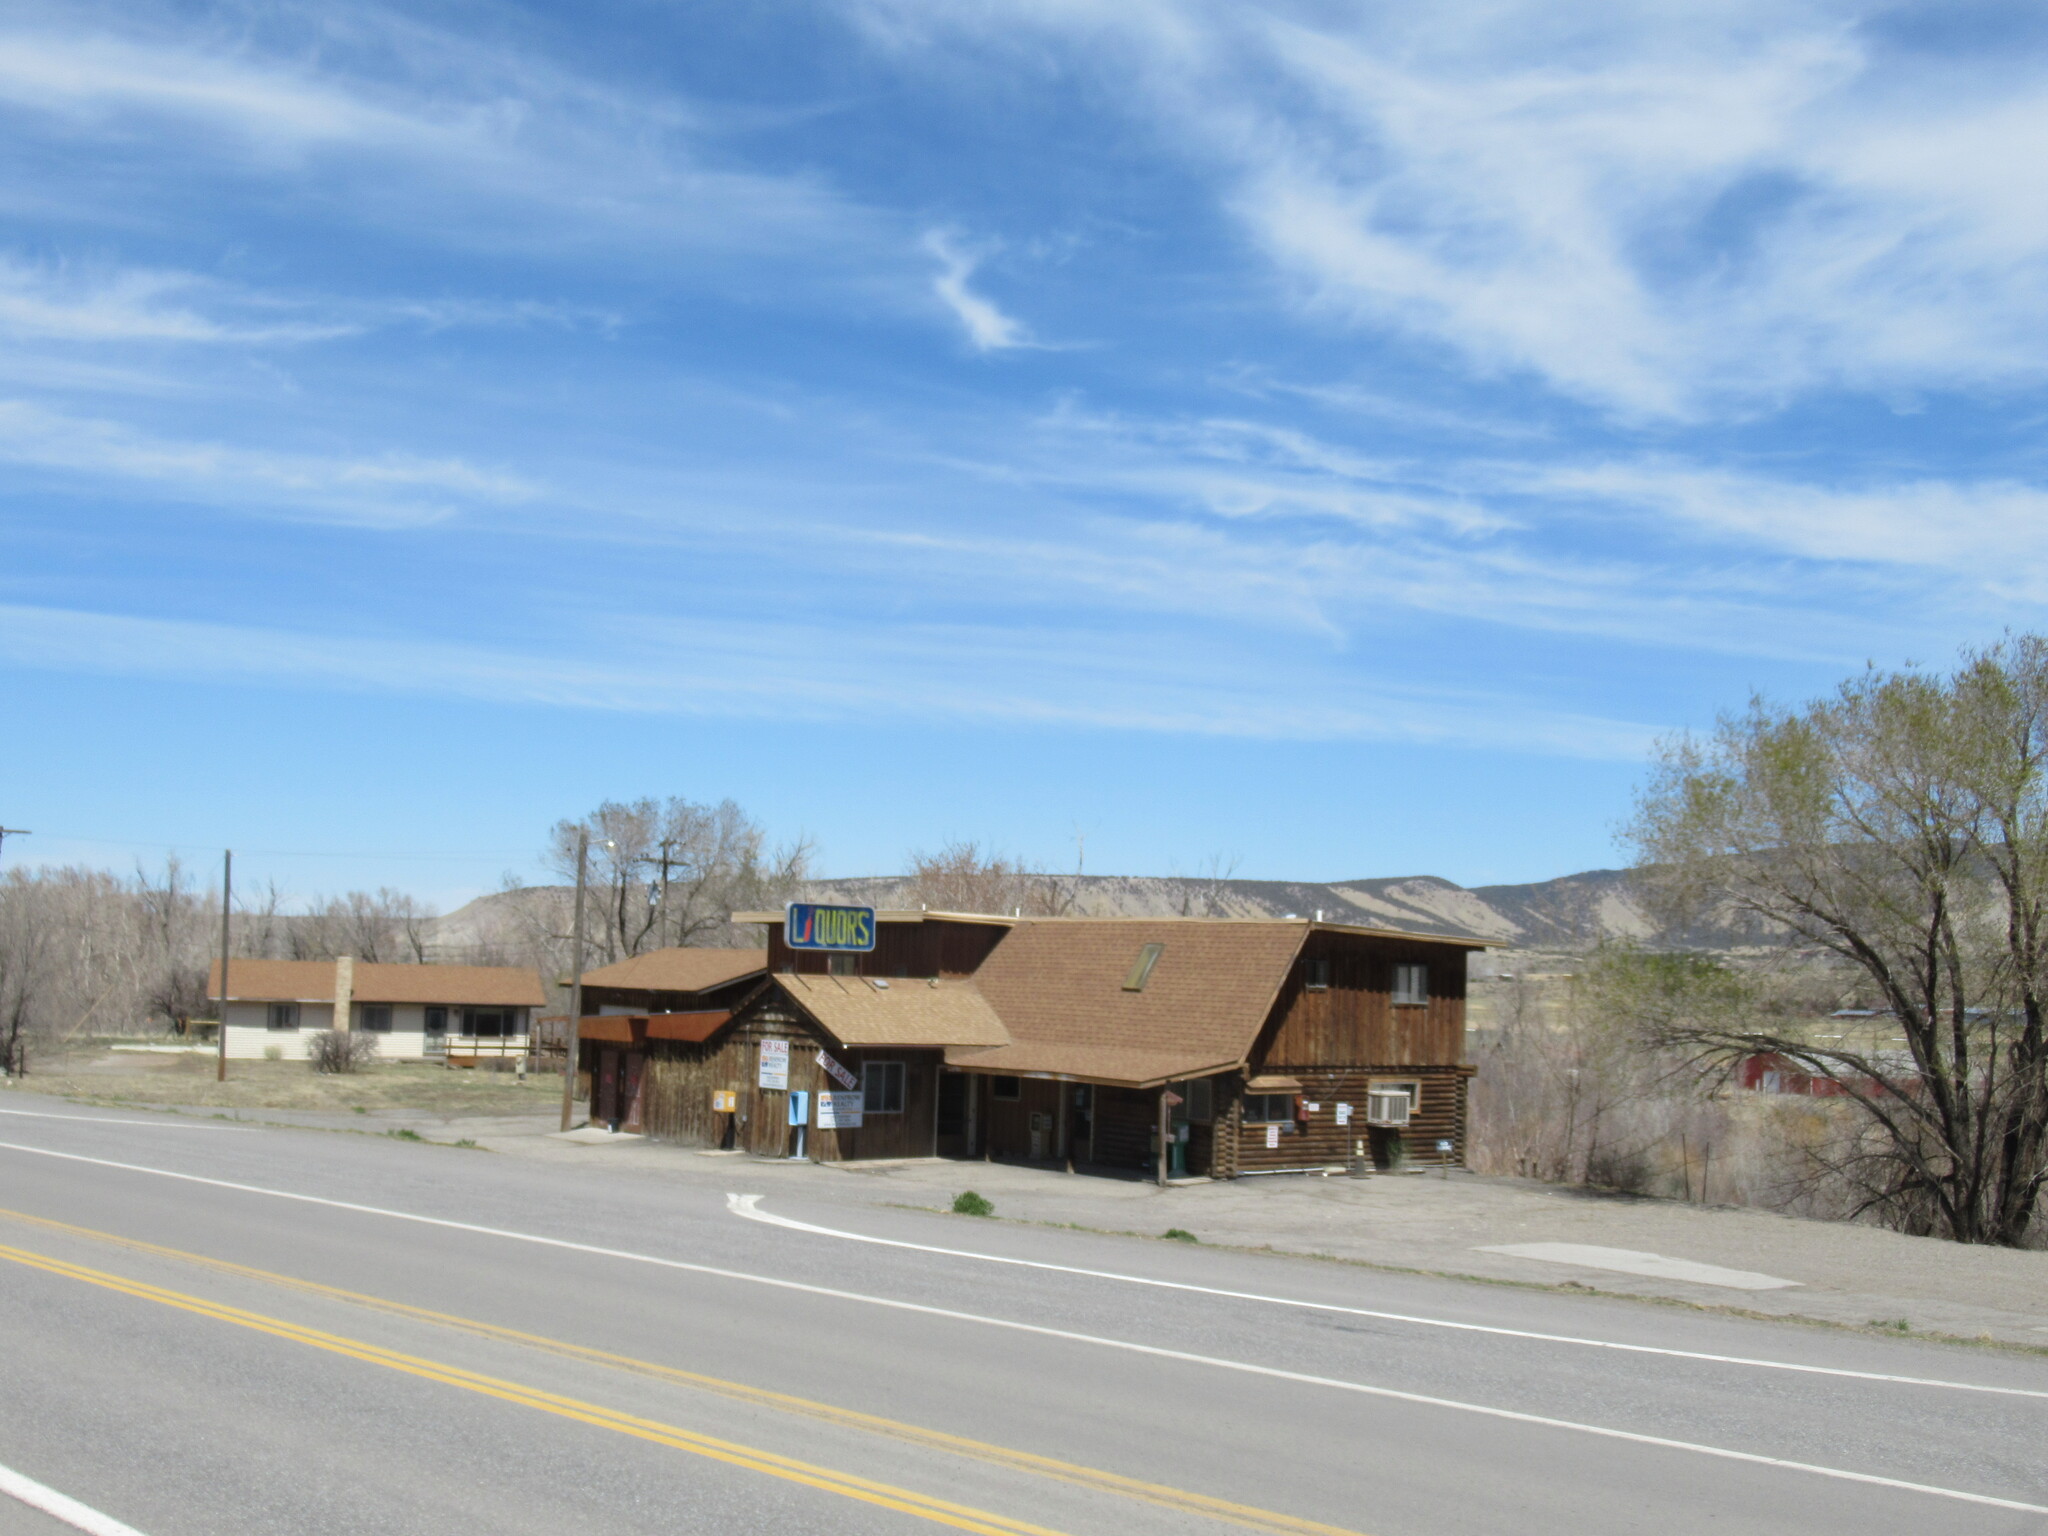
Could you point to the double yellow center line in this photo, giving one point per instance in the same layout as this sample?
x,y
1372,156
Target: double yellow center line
x,y
789,1469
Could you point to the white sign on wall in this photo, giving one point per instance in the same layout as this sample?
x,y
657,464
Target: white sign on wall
x,y
1272,1135
840,1111
1343,1114
774,1064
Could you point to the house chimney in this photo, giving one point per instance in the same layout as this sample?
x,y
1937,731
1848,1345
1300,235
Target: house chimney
x,y
344,990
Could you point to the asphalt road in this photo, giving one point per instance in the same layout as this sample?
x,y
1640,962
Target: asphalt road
x,y
554,1349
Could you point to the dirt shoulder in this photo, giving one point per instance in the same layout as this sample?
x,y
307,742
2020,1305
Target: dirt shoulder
x,y
187,1081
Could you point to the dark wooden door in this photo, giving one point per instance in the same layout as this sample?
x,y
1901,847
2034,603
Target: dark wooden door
x,y
953,1087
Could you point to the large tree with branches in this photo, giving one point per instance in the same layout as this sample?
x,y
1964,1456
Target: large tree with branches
x,y
1900,827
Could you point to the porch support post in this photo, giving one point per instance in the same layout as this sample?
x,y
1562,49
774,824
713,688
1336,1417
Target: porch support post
x,y
1165,1130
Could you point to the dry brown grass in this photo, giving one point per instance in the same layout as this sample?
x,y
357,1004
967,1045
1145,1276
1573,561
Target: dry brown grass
x,y
121,1078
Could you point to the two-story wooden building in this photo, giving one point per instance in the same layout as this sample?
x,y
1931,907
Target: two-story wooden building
x,y
1253,1046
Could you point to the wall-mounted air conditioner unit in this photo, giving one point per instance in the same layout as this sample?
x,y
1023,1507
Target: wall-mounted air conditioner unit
x,y
1387,1106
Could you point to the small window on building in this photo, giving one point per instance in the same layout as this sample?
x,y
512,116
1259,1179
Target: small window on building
x,y
437,1021
1201,1097
1411,983
881,1087
284,1015
375,1017
489,1023
842,965
1315,974
1141,968
1006,1088
1269,1109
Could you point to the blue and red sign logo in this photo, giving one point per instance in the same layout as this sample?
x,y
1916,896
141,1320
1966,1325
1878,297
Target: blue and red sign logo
x,y
807,925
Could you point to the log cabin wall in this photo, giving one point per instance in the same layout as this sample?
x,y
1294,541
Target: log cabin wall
x,y
1354,1020
934,947
1314,1139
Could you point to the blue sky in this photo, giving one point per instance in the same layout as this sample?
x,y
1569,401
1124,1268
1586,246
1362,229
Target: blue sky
x,y
1339,438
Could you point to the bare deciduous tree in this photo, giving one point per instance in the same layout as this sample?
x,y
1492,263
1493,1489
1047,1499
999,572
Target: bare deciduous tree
x,y
667,873
963,877
1900,826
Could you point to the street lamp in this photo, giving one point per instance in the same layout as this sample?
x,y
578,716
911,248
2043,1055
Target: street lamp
x,y
571,1042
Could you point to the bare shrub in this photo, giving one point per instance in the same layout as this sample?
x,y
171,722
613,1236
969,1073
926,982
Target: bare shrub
x,y
340,1050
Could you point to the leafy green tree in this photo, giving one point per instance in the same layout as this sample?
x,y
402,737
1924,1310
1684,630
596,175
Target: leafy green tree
x,y
1900,827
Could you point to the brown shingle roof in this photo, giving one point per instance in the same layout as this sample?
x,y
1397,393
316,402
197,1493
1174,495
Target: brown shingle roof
x,y
679,970
1058,987
312,981
905,1012
1092,1063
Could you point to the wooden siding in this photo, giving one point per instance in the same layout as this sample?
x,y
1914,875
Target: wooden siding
x,y
1126,1125
1316,1140
1355,1021
935,948
681,1078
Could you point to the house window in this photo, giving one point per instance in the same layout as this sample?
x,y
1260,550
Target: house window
x,y
1201,1097
1141,968
1411,984
437,1021
489,1022
1315,974
842,965
284,1015
881,1087
1269,1109
1011,1088
375,1017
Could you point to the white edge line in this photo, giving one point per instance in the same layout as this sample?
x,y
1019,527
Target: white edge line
x,y
1155,1351
746,1205
161,1125
59,1506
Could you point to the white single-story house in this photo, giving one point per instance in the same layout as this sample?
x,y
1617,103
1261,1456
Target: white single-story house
x,y
415,1011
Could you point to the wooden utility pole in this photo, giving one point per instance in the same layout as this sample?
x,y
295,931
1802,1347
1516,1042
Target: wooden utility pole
x,y
227,898
570,1040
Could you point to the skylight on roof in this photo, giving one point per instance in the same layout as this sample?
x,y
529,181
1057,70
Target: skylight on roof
x,y
1141,968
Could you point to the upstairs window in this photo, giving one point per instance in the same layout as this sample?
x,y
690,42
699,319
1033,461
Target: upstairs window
x,y
842,965
1315,974
284,1016
1411,984
1007,1088
1141,968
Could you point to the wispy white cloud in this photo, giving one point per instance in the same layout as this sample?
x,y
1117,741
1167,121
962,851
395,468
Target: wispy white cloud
x,y
987,327
384,120
382,489
57,303
1179,686
1675,213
